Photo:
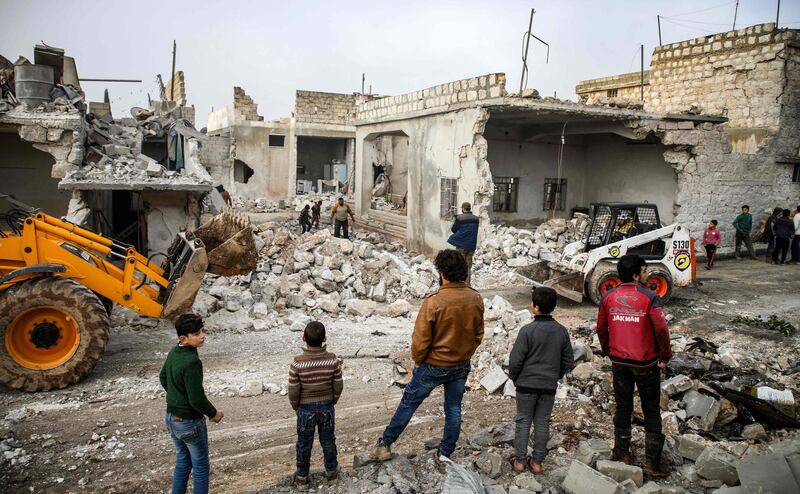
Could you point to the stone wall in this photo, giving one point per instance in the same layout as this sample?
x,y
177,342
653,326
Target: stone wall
x,y
325,108
627,86
178,94
436,97
244,105
740,74
216,157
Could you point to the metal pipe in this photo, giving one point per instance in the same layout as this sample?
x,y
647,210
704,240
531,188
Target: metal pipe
x,y
735,13
642,75
172,83
525,55
658,18
778,14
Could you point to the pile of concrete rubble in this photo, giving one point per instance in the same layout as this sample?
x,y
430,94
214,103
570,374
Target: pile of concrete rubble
x,y
506,246
316,273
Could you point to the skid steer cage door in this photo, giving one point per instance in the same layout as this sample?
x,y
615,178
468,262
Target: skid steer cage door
x,y
188,264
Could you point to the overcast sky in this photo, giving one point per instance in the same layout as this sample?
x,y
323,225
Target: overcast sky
x,y
272,48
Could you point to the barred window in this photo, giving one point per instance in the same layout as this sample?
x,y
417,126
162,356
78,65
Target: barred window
x,y
449,198
505,194
612,93
555,194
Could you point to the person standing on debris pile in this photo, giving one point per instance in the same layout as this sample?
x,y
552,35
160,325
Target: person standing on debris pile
x,y
465,235
633,333
315,384
769,235
182,378
784,231
744,225
448,330
339,212
540,357
305,222
316,210
711,240
796,236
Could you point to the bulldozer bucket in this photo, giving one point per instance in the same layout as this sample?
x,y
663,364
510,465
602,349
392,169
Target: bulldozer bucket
x,y
185,269
229,242
566,282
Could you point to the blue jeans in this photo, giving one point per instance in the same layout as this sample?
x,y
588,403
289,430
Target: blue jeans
x,y
190,438
535,409
426,378
319,416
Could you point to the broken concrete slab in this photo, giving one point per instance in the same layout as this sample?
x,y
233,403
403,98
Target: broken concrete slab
x,y
717,464
494,379
770,472
649,488
755,432
528,482
492,436
582,479
676,385
702,406
592,450
620,472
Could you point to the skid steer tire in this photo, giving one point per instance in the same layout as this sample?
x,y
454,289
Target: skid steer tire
x,y
603,279
52,333
659,280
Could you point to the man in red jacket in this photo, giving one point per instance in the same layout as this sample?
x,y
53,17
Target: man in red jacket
x,y
634,335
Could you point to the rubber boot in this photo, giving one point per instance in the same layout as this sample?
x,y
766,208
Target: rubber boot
x,y
653,445
622,446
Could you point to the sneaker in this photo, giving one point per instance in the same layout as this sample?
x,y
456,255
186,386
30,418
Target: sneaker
x,y
381,452
330,476
437,459
300,480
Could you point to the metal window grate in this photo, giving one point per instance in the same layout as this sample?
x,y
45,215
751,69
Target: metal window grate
x,y
599,227
505,194
555,194
612,93
449,198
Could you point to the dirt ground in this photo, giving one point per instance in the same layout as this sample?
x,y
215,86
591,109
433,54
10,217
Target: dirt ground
x,y
107,433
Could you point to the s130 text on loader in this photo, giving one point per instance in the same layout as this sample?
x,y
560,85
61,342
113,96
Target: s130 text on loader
x,y
58,283
588,267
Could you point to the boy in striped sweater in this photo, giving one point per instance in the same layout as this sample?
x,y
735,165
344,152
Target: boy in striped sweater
x,y
315,384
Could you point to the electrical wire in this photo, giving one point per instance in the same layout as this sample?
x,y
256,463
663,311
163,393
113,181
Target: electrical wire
x,y
701,10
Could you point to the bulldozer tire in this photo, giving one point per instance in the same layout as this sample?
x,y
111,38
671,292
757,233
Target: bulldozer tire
x,y
603,279
659,280
53,332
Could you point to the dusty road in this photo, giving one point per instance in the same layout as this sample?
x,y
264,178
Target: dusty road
x,y
107,433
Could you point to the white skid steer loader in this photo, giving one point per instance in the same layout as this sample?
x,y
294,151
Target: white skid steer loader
x,y
588,267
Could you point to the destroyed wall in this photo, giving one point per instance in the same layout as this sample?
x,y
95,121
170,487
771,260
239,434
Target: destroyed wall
x,y
243,109
216,157
168,213
175,89
270,164
325,108
627,86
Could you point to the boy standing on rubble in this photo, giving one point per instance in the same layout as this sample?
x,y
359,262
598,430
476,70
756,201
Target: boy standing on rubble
x,y
541,356
633,333
182,378
315,384
305,222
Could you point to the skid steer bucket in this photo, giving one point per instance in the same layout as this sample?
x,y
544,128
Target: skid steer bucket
x,y
565,281
229,242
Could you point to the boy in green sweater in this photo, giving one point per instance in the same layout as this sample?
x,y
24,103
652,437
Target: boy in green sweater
x,y
182,378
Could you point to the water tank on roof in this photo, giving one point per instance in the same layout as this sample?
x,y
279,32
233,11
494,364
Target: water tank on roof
x,y
33,83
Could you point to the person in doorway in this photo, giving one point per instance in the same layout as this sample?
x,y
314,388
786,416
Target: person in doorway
x,y
542,354
316,211
305,222
784,231
633,333
796,236
448,330
769,235
340,212
465,236
712,237
315,385
182,378
744,225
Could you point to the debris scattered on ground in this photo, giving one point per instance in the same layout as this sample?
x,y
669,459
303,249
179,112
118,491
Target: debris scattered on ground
x,y
772,323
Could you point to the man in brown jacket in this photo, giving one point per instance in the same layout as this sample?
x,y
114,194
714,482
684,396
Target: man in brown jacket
x,y
448,329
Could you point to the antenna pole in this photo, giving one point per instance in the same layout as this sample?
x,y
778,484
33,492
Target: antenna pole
x,y
778,14
735,13
658,18
363,80
525,55
172,83
642,76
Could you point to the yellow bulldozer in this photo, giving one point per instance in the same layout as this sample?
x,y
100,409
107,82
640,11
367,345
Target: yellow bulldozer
x,y
59,282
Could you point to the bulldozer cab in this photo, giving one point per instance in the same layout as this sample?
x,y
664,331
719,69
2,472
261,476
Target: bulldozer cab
x,y
612,222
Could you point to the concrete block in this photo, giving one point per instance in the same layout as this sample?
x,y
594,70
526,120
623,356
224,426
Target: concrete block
x,y
677,384
528,482
716,464
649,488
620,472
702,406
582,479
691,446
770,472
592,450
494,379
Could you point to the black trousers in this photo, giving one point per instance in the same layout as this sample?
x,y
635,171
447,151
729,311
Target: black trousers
x,y
648,382
711,249
781,249
341,225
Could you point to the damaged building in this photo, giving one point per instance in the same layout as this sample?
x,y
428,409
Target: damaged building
x,y
310,151
137,179
718,128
